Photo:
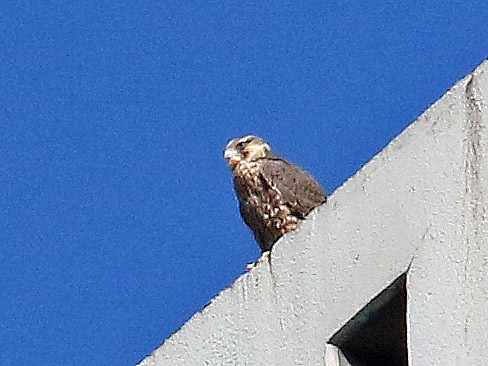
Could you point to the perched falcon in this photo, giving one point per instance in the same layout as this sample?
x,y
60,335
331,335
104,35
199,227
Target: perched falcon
x,y
274,194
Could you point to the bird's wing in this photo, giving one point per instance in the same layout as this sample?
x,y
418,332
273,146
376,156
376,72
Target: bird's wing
x,y
299,190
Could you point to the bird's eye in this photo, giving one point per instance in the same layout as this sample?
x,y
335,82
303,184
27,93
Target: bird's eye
x,y
241,145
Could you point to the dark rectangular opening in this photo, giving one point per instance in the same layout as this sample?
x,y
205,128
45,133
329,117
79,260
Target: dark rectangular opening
x,y
377,334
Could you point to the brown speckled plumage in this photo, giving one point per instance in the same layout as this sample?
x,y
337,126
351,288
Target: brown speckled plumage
x,y
274,194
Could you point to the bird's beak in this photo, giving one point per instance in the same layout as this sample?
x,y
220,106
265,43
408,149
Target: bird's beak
x,y
232,156
230,153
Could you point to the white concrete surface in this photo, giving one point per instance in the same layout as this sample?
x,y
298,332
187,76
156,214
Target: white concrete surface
x,y
334,357
424,197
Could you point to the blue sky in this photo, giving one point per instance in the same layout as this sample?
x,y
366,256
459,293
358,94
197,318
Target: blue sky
x,y
118,218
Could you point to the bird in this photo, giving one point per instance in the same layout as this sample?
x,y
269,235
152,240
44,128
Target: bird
x,y
274,194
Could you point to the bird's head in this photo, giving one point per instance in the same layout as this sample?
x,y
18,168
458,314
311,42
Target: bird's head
x,y
247,149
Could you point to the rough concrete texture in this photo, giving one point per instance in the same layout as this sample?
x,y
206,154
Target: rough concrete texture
x,y
421,201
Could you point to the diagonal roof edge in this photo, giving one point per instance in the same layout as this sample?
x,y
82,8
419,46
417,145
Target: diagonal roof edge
x,y
414,192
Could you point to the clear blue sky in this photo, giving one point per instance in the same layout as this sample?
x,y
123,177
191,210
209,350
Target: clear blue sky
x,y
118,220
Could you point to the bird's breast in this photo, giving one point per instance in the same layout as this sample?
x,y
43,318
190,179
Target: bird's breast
x,y
267,202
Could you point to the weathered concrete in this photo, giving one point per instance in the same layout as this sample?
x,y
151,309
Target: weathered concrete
x,y
421,201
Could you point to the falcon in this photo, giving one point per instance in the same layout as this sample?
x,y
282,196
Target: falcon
x,y
274,195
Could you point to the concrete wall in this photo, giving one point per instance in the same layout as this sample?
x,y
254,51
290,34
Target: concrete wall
x,y
421,201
